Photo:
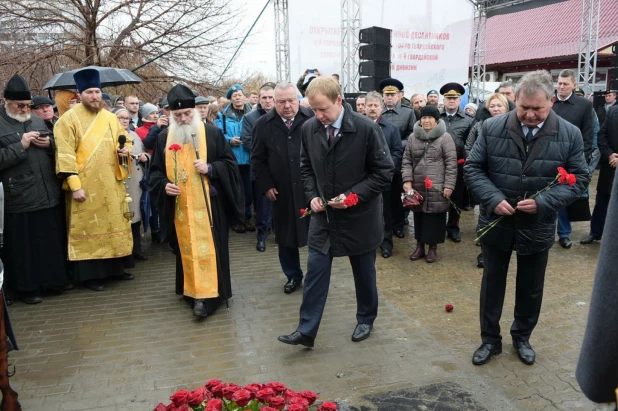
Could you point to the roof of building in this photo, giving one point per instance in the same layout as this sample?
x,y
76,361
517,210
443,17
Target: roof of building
x,y
545,32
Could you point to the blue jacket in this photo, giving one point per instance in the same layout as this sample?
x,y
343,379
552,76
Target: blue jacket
x,y
393,139
232,127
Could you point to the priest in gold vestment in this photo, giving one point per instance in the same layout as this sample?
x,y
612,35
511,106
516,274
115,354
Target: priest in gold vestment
x,y
88,159
195,217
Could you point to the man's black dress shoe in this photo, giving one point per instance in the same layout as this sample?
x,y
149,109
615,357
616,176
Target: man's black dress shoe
x,y
361,332
156,237
94,285
261,246
589,239
297,338
140,257
565,242
69,286
483,354
291,285
386,253
127,276
199,309
524,352
399,234
31,299
454,236
480,263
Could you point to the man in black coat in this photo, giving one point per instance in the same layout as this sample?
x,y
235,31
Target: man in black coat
x,y
577,111
518,154
373,110
597,368
275,160
458,125
610,101
608,146
343,153
263,209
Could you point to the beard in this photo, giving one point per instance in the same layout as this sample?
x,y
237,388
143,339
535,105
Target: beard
x,y
183,133
22,118
93,107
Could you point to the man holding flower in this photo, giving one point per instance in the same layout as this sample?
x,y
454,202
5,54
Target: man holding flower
x,y
342,153
512,171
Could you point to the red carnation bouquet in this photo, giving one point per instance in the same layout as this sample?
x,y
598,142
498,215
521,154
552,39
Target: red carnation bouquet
x,y
563,177
175,148
429,186
349,201
219,396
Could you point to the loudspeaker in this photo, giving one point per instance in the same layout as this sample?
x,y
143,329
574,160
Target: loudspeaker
x,y
615,61
350,98
370,83
375,35
613,85
375,68
375,52
612,73
598,99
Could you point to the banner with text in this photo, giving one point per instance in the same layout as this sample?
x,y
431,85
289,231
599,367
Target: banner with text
x,y
430,39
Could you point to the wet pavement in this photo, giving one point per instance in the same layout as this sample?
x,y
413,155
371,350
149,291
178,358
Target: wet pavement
x,y
133,345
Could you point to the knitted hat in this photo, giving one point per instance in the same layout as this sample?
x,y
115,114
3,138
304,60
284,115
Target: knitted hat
x,y
430,111
17,89
146,110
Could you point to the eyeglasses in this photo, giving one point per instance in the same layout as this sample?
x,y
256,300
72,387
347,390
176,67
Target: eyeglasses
x,y
22,106
123,118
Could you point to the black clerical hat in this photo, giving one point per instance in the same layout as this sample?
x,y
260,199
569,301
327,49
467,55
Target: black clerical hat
x,y
87,78
17,89
180,97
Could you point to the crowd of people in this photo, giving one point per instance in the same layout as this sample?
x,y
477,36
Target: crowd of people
x,y
83,183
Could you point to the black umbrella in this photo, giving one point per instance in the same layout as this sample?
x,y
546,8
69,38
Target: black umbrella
x,y
110,77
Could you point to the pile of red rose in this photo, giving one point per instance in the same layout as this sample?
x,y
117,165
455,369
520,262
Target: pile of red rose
x,y
219,396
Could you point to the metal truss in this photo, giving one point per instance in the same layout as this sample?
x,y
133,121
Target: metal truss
x,y
588,44
282,41
479,37
350,30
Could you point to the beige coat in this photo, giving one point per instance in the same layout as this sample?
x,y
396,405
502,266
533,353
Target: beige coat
x,y
431,155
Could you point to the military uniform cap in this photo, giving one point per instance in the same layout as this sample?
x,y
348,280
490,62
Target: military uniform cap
x,y
269,84
232,90
452,90
579,92
608,91
390,85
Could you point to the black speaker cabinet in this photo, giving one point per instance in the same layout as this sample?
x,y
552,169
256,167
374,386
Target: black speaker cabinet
x,y
613,73
375,52
375,68
598,99
350,98
613,85
375,35
370,83
615,61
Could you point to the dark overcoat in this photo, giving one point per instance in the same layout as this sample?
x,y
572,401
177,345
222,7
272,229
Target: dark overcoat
x,y
608,144
358,161
275,160
502,166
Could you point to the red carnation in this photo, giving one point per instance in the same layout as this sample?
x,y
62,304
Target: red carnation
x,y
212,384
267,409
278,388
328,406
217,390
183,408
265,394
309,396
214,405
180,398
242,397
562,171
198,396
304,212
448,307
289,394
571,179
161,407
428,183
175,147
229,391
298,400
461,161
351,200
297,407
277,403
253,388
